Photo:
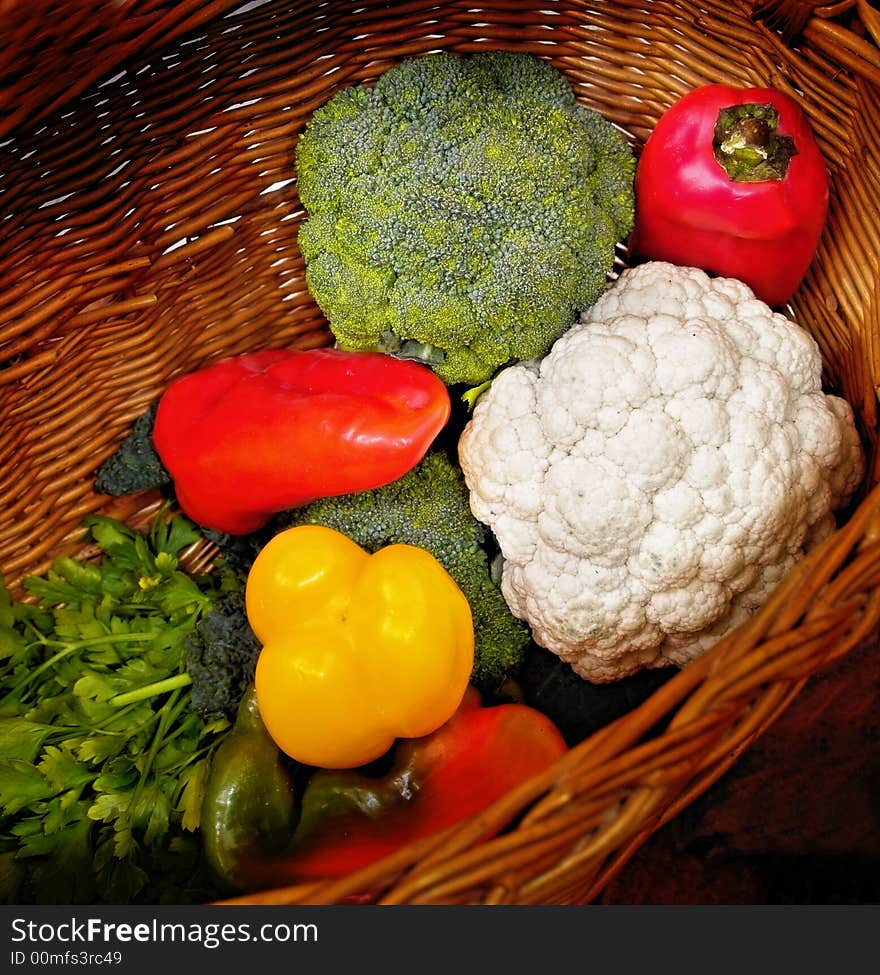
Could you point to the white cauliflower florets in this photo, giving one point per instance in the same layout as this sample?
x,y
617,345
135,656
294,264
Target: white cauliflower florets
x,y
655,475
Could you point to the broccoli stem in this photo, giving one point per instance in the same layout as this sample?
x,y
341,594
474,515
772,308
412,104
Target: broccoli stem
x,y
424,352
470,396
391,344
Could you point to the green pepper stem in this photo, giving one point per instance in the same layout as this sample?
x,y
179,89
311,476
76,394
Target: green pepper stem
x,y
748,146
151,690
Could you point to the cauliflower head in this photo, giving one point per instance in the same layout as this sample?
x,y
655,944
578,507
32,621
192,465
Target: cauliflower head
x,y
653,477
462,211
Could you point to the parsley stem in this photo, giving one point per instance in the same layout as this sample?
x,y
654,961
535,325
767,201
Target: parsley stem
x,y
138,636
167,715
69,648
151,690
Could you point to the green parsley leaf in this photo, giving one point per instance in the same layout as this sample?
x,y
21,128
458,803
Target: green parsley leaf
x,y
21,784
99,799
21,739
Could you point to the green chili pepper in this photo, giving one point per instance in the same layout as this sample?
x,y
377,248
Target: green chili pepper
x,y
249,810
348,818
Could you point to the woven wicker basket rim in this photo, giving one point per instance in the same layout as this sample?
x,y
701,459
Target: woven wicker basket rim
x,y
148,226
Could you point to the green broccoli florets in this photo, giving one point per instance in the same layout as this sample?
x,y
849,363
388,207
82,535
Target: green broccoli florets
x,y
221,657
461,211
429,507
134,465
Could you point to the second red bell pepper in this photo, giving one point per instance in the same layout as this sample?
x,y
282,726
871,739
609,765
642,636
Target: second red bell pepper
x,y
349,820
731,180
255,434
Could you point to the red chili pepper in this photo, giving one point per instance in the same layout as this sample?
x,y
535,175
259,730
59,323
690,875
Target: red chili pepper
x,y
255,434
731,180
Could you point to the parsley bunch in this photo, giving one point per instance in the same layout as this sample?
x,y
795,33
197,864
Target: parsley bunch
x,y
103,762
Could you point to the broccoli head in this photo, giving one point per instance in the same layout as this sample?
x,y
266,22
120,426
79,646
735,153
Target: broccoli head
x,y
429,507
221,657
134,465
462,211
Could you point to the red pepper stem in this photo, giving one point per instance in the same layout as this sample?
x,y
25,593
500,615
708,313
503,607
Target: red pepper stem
x,y
748,146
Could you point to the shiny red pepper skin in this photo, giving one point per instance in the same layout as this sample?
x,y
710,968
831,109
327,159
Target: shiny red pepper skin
x,y
349,820
690,212
255,434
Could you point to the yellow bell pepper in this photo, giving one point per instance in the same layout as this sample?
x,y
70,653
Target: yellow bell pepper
x,y
358,649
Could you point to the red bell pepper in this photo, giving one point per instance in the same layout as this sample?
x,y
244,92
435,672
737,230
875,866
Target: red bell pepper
x,y
255,434
349,820
731,180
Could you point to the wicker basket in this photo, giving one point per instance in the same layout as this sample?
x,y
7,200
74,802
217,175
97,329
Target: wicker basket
x,y
148,224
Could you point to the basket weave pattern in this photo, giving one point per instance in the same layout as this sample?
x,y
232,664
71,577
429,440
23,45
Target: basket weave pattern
x,y
148,225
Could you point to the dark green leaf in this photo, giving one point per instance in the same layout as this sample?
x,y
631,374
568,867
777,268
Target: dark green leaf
x,y
20,785
120,881
119,773
98,749
174,535
66,875
114,538
63,771
12,643
189,804
21,739
12,875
